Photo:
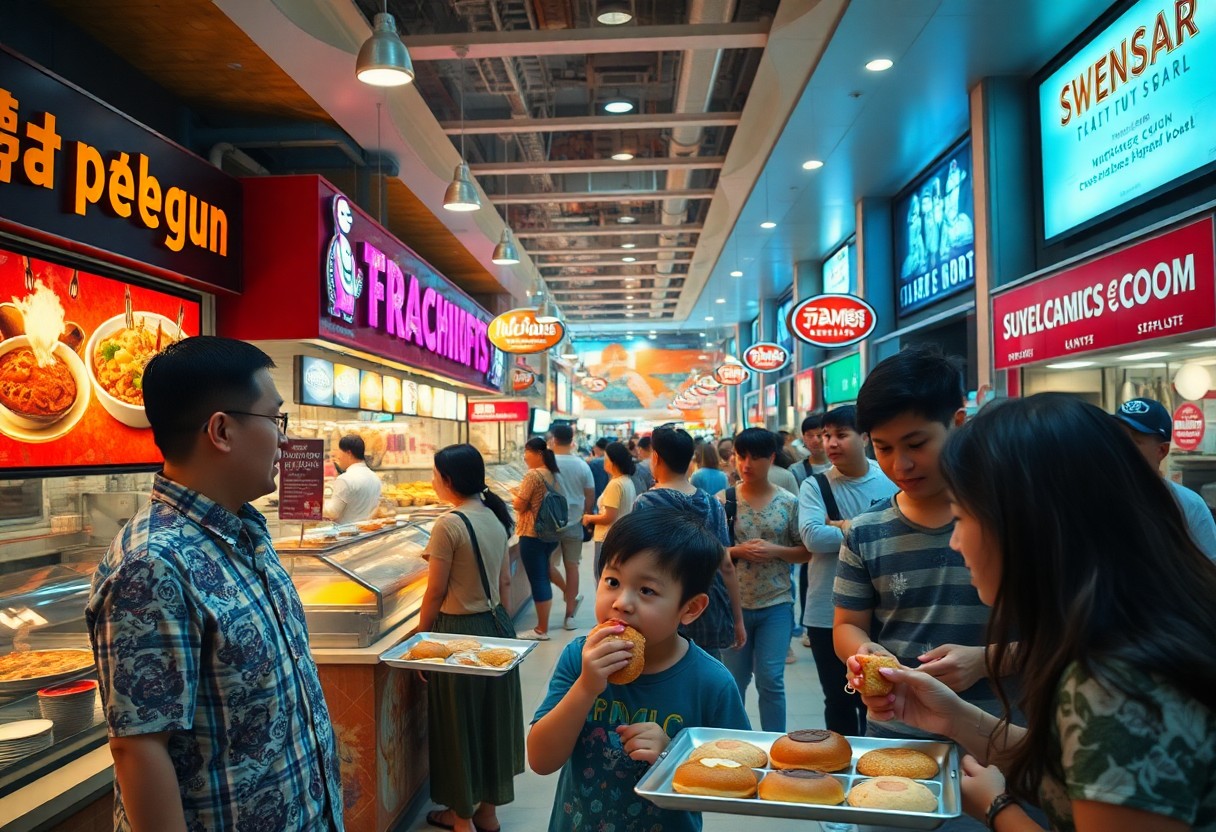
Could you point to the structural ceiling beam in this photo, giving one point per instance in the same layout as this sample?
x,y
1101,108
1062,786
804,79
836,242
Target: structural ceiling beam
x,y
641,295
601,196
516,43
599,165
579,124
570,278
618,262
616,230
585,252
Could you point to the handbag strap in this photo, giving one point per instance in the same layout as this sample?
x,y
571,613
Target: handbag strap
x,y
481,564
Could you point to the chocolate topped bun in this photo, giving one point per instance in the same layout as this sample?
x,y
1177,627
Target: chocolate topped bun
x,y
798,786
814,749
716,777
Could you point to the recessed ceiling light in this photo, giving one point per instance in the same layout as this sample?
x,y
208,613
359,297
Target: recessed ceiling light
x,y
1071,365
623,156
736,273
879,65
629,245
627,219
618,106
614,12
768,224
654,332
1143,356
629,259
1203,344
628,314
812,164
628,297
628,334
702,334
720,300
629,306
653,337
709,317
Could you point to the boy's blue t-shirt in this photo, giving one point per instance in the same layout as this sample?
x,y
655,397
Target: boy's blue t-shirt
x,y
595,788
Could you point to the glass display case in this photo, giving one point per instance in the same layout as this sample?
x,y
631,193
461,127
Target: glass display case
x,y
504,479
354,591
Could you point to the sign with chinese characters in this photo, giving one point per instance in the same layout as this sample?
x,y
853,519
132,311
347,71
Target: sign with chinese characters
x,y
506,410
832,321
934,235
1162,286
520,332
76,169
1130,113
842,380
1189,427
732,374
302,479
766,357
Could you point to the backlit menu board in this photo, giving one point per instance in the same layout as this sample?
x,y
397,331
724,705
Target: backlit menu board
x,y
837,277
409,397
314,381
426,400
392,394
371,391
346,386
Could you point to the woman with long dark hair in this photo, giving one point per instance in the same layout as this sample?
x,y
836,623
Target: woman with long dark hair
x,y
619,494
1084,557
534,552
476,722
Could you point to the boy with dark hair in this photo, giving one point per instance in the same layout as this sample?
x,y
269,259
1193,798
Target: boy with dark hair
x,y
653,574
671,453
816,461
900,589
596,463
643,477
826,504
216,716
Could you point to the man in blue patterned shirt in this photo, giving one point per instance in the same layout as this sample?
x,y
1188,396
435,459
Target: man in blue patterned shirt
x,y
208,685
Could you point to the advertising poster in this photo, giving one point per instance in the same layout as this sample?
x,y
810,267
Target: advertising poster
x,y
644,380
71,369
934,233
1131,112
302,480
837,275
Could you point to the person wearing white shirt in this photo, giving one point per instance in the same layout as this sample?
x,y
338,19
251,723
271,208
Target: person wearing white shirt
x,y
356,491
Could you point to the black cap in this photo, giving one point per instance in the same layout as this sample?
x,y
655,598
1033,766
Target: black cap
x,y
1146,416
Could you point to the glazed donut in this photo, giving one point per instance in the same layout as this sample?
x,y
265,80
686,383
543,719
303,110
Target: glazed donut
x,y
637,663
716,777
814,749
797,786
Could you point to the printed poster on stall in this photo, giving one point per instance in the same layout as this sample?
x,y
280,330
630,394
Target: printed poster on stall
x,y
71,364
302,480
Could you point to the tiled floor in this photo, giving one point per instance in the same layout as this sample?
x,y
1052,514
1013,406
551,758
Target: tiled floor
x,y
534,794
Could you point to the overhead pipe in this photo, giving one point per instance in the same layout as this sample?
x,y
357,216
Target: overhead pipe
x,y
223,150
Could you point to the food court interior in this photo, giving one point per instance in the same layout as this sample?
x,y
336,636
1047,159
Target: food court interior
x,y
623,214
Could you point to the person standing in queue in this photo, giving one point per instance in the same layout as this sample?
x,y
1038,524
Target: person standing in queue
x,y
356,491
596,463
617,499
214,705
708,477
476,725
816,461
575,481
534,552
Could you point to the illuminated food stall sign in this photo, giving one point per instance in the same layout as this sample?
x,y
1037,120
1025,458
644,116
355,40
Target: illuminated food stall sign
x,y
521,332
522,378
509,410
732,374
74,169
1189,427
72,361
766,357
1129,114
831,321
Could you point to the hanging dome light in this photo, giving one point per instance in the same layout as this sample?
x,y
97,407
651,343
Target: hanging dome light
x,y
614,12
383,59
461,194
505,253
618,106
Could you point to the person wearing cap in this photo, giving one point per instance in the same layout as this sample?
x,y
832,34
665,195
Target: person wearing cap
x,y
1151,428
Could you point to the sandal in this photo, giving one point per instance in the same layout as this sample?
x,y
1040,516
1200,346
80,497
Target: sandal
x,y
435,818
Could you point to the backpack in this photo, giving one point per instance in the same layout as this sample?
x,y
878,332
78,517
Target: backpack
x,y
732,511
553,515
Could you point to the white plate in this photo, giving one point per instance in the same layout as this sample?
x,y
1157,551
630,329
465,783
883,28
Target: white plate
x,y
83,395
24,729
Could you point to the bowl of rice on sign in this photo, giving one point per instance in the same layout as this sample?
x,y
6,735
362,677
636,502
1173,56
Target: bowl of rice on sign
x,y
832,321
766,357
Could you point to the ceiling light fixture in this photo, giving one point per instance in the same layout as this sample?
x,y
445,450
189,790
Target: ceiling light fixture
x,y
627,220
880,64
628,314
629,259
505,253
736,273
383,59
628,297
629,245
709,318
614,12
623,156
720,300
1071,365
812,164
617,106
768,223
461,195
1143,356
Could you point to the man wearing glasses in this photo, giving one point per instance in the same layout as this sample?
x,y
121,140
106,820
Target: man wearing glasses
x,y
215,711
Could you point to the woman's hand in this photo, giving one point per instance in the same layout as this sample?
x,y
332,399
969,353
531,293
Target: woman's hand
x,y
753,550
918,700
740,635
958,666
981,785
644,741
603,654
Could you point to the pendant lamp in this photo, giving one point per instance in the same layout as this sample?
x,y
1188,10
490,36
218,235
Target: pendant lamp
x,y
505,253
461,194
383,59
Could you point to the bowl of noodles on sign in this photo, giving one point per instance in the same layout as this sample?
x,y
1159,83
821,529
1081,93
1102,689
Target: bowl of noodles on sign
x,y
117,355
44,387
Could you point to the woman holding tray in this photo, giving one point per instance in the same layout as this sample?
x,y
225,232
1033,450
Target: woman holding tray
x,y
476,722
1085,559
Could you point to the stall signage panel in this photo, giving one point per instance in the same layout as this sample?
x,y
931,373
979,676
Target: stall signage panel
x,y
71,372
804,391
522,378
1130,113
1189,427
732,374
842,380
380,297
73,168
316,381
1165,285
766,357
514,410
521,332
934,235
832,321
837,276
302,480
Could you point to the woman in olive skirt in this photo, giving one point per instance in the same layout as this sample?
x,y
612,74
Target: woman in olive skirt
x,y
476,722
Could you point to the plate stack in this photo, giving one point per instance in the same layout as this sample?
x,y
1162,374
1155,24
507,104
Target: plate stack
x,y
70,705
20,739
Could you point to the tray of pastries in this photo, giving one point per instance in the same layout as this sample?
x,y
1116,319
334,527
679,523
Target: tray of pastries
x,y
453,653
812,774
26,671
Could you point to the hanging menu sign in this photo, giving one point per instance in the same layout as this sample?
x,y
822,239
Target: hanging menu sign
x,y
302,479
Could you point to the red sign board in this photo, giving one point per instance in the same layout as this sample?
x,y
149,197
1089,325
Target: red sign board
x,y
1165,285
766,357
804,391
732,374
832,321
522,378
87,409
302,480
1189,427
506,410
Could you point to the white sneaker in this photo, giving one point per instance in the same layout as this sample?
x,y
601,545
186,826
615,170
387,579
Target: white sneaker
x,y
570,625
533,635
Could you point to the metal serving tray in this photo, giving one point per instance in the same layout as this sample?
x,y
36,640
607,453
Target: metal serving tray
x,y
655,786
394,656
290,546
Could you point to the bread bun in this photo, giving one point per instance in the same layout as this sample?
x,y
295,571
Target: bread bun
x,y
468,658
737,750
637,662
798,786
497,656
461,645
875,684
429,650
716,777
897,762
814,749
897,793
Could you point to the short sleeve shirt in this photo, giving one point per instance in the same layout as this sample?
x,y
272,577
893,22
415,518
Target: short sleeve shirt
x,y
531,491
198,631
1116,750
595,788
574,480
767,583
618,495
450,542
